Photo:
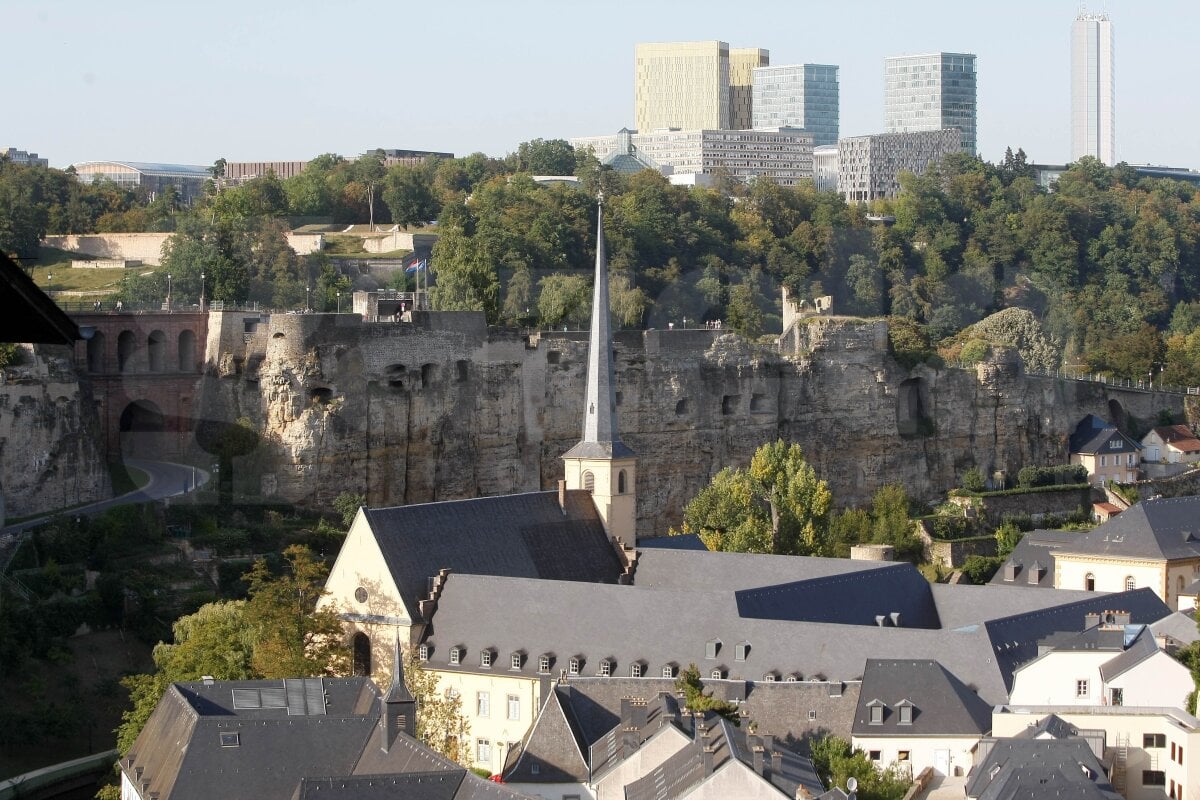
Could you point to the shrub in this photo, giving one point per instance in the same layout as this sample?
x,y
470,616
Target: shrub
x,y
973,481
980,569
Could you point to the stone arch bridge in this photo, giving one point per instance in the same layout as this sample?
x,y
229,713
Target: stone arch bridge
x,y
143,368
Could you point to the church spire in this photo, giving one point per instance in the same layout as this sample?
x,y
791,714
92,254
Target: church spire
x,y
600,435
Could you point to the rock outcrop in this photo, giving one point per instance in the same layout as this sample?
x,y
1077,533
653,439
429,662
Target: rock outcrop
x,y
50,446
444,408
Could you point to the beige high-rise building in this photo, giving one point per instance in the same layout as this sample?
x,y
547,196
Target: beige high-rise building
x,y
742,63
681,85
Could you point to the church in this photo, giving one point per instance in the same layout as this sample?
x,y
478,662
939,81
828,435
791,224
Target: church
x,y
391,569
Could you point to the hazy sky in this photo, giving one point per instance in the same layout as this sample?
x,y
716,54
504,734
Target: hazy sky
x,y
189,82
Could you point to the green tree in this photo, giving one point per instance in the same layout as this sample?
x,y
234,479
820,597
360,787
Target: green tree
x,y
836,761
973,480
441,724
347,504
776,505
368,173
292,637
465,279
697,699
545,157
564,299
1008,536
409,196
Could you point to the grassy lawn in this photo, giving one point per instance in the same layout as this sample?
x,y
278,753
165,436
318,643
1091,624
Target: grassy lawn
x,y
52,261
339,246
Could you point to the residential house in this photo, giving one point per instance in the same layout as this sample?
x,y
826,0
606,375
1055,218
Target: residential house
x,y
1152,752
1155,543
1110,662
1171,444
1106,453
294,738
914,714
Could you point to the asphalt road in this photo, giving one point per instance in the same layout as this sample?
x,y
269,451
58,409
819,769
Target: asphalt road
x,y
167,479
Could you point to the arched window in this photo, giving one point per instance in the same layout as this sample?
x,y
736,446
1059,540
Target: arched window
x,y
1130,583
621,482
362,655
589,481
1089,582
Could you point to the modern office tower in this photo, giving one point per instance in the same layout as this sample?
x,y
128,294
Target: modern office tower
x,y
1093,123
681,85
798,96
743,61
825,167
785,155
931,92
869,167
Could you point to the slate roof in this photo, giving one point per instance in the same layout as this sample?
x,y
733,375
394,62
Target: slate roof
x,y
1142,647
942,704
1165,528
1178,629
681,569
519,536
687,541
994,630
1036,547
1093,434
261,739
1019,768
872,597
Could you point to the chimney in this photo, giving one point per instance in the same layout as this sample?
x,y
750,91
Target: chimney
x,y
639,714
706,759
562,495
756,752
626,711
1091,620
776,764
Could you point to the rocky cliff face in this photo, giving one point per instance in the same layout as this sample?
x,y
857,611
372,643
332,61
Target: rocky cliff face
x,y
50,445
445,409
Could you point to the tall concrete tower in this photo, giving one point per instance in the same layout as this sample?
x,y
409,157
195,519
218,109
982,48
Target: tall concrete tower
x,y
1093,120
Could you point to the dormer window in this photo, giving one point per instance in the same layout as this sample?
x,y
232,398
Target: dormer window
x,y
741,651
875,709
793,677
544,663
770,677
605,668
485,658
573,665
711,648
717,674
515,661
636,669
906,712
456,654
423,652
668,671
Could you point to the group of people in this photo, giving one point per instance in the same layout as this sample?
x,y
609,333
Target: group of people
x,y
98,306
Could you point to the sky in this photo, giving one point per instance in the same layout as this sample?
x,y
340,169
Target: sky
x,y
189,82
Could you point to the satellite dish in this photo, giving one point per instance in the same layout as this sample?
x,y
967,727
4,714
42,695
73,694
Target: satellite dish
x,y
852,784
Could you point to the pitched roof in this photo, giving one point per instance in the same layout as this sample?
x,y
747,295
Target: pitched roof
x,y
1180,437
687,541
552,750
681,569
1159,529
520,536
1036,547
941,704
895,595
1177,628
261,739
1142,647
1019,768
1110,440
28,313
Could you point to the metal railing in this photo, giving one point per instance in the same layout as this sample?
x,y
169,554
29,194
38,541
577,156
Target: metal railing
x,y
1087,377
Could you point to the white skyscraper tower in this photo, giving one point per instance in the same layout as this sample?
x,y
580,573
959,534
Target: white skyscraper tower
x,y
1093,121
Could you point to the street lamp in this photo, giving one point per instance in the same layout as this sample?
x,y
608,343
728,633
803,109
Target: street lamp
x,y
308,299
49,281
339,294
168,291
201,291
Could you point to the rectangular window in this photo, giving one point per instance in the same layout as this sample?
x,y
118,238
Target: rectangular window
x,y
483,704
516,660
1180,759
483,751
635,670
605,668
902,755
1172,751
1154,777
573,667
1081,688
543,664
485,658
455,655
876,755
423,652
514,707
1154,740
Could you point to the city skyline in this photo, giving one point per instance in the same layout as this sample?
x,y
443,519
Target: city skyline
x,y
244,83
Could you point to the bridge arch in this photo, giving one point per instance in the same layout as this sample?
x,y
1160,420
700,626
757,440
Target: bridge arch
x,y
143,429
187,351
96,347
126,350
156,350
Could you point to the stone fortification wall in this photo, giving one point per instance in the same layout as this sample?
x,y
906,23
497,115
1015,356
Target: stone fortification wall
x,y
147,247
51,450
412,413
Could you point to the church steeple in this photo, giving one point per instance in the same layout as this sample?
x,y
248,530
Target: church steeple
x,y
600,433
398,711
600,462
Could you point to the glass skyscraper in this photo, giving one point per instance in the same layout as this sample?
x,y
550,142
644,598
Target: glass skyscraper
x,y
798,96
930,92
1093,123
